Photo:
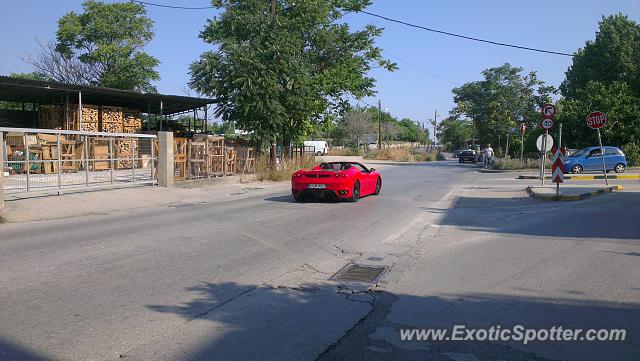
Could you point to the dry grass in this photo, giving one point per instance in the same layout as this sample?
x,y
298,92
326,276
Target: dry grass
x,y
403,154
264,172
397,154
344,151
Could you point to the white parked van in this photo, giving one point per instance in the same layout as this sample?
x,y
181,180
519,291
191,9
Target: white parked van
x,y
320,146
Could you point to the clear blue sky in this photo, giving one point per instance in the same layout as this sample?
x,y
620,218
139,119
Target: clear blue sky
x,y
561,26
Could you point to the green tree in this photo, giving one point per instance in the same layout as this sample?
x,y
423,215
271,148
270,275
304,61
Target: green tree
x,y
455,133
108,38
503,99
614,55
605,76
279,72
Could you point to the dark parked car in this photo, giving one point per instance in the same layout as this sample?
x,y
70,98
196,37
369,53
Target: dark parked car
x,y
467,155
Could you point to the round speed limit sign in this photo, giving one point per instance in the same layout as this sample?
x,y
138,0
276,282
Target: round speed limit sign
x,y
547,123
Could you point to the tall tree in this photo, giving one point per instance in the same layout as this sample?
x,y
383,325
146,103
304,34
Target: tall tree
x,y
503,99
614,55
275,70
102,46
605,76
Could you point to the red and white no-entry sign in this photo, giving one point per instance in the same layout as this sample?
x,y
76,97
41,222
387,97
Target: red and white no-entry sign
x,y
596,120
548,110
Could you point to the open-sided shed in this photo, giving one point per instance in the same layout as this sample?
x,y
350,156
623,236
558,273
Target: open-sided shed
x,y
27,96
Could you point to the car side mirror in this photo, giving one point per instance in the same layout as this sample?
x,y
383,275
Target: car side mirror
x,y
372,170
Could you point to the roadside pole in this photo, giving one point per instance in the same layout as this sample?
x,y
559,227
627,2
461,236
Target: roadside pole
x,y
604,167
548,110
560,148
523,128
597,120
544,154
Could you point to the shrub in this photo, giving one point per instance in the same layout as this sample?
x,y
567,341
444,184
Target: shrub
x,y
515,164
632,152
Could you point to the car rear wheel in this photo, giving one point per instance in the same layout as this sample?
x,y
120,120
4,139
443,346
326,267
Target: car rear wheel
x,y
459,160
318,153
577,169
619,168
355,194
378,186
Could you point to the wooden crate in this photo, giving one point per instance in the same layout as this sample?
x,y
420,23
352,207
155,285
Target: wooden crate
x,y
180,158
230,160
246,159
99,154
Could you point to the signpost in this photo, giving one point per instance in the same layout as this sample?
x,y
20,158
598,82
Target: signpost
x,y
557,167
548,110
597,120
523,128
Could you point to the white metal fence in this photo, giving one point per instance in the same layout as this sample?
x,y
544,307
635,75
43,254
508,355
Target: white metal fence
x,y
44,159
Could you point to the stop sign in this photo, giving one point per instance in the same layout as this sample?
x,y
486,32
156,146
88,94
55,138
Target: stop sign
x,y
596,120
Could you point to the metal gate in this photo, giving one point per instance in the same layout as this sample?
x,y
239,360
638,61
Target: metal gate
x,y
46,160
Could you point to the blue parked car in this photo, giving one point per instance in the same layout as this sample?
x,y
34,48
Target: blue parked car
x,y
590,160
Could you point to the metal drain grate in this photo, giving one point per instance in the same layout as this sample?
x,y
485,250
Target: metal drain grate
x,y
358,273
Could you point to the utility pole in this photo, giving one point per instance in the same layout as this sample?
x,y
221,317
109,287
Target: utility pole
x,y
379,124
435,123
273,137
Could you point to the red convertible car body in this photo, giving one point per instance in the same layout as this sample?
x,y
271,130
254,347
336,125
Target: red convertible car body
x,y
335,180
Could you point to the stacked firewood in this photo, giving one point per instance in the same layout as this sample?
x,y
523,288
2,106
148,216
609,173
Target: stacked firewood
x,y
132,121
90,117
112,121
124,149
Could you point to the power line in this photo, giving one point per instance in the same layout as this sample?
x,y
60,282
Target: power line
x,y
391,20
172,7
421,69
464,36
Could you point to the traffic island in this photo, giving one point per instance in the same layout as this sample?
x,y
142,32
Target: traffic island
x,y
569,193
587,177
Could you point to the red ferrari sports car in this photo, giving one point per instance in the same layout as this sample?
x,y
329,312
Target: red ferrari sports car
x,y
335,180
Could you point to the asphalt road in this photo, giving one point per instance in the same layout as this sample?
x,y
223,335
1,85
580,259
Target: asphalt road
x,y
247,278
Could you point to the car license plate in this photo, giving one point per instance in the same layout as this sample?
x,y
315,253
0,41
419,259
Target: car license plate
x,y
316,186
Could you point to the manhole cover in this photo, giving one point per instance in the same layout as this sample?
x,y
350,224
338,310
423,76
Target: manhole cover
x,y
359,273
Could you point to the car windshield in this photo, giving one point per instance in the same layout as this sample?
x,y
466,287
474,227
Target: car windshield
x,y
335,166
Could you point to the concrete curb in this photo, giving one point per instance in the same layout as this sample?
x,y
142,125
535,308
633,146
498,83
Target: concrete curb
x,y
574,197
586,177
495,171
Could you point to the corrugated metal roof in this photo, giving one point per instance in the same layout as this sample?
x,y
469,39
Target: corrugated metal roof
x,y
51,92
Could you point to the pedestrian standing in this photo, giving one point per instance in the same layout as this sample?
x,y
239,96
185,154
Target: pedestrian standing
x,y
487,156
